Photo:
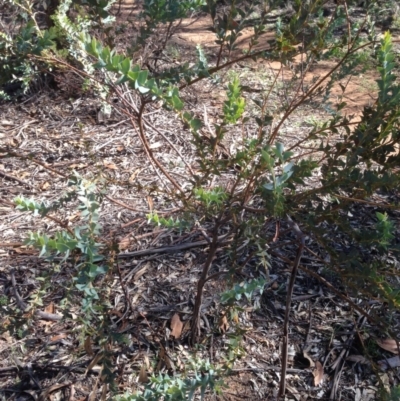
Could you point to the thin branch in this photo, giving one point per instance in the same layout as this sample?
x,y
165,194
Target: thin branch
x,y
296,263
149,152
222,239
23,306
195,327
12,153
12,178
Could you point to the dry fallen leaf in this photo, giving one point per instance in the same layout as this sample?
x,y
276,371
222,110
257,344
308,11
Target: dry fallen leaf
x,y
124,243
358,359
46,393
104,391
318,373
58,337
6,335
186,327
135,174
393,362
308,358
150,203
110,165
50,308
291,353
223,324
74,216
92,395
164,360
156,145
94,361
141,271
146,361
385,381
388,344
88,346
45,185
176,326
143,374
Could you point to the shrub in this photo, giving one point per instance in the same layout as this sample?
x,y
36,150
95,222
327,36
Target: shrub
x,y
270,180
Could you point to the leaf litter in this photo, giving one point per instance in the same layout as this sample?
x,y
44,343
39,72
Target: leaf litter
x,y
158,285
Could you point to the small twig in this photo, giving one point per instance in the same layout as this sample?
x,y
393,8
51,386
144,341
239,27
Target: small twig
x,y
138,210
12,178
348,25
11,244
62,224
20,302
24,306
195,327
213,276
12,153
339,362
366,202
277,228
48,316
128,305
265,367
206,237
337,292
296,263
149,151
313,88
71,392
168,249
170,144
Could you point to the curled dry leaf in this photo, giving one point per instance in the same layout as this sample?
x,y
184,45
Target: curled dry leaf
x,y
308,358
45,395
176,326
388,344
318,373
223,323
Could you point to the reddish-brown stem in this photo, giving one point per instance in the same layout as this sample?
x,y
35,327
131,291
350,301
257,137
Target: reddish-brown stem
x,y
291,109
149,152
293,274
319,131
195,328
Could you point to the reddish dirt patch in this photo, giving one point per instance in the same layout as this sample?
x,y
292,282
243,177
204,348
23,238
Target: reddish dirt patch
x,y
360,90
